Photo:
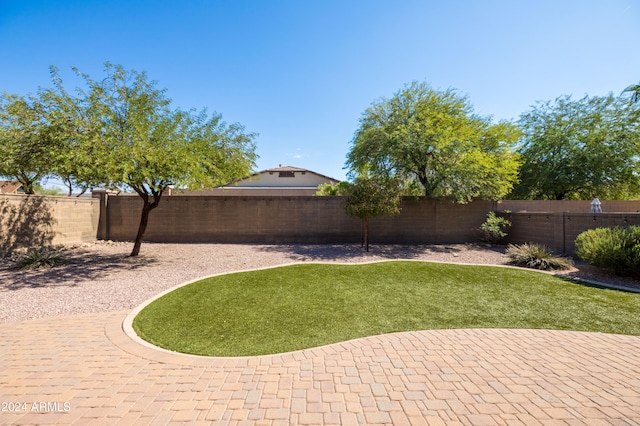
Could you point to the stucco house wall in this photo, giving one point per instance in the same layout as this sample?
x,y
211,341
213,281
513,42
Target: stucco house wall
x,y
284,181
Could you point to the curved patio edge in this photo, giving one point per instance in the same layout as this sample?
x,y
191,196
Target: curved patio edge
x,y
123,335
452,376
461,337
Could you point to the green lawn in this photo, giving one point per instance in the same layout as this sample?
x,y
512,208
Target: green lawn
x,y
301,306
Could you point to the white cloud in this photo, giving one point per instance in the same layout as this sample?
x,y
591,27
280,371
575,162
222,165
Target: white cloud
x,y
297,155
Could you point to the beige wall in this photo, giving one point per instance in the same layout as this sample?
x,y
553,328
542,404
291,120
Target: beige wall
x,y
32,220
248,192
76,219
290,220
271,179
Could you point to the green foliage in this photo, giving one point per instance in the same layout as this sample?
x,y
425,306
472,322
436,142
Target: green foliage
x,y
303,306
580,149
52,190
536,256
327,189
494,229
634,90
138,141
121,131
41,257
412,188
408,188
80,161
371,196
26,142
616,248
434,138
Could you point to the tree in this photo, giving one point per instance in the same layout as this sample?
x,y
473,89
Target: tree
x,y
408,188
435,138
634,89
137,141
371,196
327,189
26,142
579,149
78,159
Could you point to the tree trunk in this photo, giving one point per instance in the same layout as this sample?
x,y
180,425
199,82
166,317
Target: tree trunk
x,y
27,187
69,185
366,222
144,220
366,233
27,182
144,217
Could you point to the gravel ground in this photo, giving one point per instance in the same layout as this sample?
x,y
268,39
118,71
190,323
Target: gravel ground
x,y
100,277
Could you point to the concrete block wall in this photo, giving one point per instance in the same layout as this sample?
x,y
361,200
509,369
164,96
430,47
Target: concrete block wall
x,y
459,222
76,219
558,231
234,219
38,220
429,221
570,206
577,223
33,220
540,228
311,220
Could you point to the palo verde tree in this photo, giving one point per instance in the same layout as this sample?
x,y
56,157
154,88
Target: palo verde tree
x,y
433,137
74,120
370,196
579,149
27,145
634,90
139,142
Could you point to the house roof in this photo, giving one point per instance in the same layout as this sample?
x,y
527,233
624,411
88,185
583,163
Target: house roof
x,y
9,186
280,168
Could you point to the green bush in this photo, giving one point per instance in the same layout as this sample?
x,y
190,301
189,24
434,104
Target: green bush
x,y
494,229
537,256
41,257
617,249
327,189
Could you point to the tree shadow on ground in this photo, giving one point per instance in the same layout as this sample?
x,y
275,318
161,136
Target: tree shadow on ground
x,y
337,252
584,273
80,266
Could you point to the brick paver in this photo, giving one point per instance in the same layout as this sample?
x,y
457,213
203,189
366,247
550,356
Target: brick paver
x,y
85,370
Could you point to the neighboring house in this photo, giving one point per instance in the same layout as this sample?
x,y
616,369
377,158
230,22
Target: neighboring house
x,y
11,187
279,181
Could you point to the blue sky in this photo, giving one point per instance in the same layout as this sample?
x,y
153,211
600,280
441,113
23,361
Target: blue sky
x,y
301,73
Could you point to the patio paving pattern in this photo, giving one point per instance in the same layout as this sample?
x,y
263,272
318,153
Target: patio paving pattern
x,y
85,369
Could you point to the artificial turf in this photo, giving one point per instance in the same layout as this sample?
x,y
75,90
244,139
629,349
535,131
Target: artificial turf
x,y
301,306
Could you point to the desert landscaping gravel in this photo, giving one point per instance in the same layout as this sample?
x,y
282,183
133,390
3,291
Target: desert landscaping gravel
x,y
100,277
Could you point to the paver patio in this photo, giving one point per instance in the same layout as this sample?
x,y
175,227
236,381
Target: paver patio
x,y
470,377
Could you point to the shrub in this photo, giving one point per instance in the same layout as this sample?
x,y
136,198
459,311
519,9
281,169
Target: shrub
x,y
617,249
494,229
537,256
41,257
327,189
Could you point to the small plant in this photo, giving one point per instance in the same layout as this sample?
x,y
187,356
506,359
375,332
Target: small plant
x,y
617,249
537,256
41,257
494,229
